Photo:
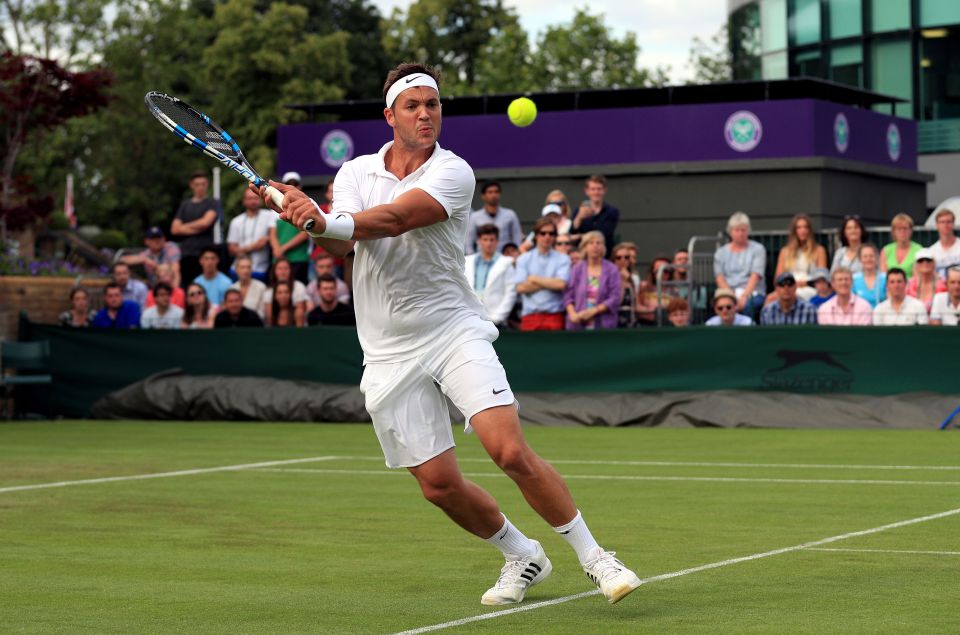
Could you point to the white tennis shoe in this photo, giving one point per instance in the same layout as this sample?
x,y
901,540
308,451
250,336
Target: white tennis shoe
x,y
516,577
612,576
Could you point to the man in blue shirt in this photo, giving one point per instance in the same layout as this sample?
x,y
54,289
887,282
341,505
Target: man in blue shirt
x,y
787,308
541,277
133,289
213,281
117,313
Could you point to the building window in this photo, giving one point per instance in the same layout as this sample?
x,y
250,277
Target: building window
x,y
846,65
744,31
846,18
889,15
940,76
938,12
775,65
805,22
893,72
806,64
773,26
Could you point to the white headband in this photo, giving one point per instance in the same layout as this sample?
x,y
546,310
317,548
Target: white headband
x,y
410,81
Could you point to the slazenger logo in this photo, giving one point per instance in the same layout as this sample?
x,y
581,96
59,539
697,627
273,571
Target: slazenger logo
x,y
336,148
809,371
894,144
841,133
743,131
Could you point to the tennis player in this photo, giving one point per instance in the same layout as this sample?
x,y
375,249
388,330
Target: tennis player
x,y
425,334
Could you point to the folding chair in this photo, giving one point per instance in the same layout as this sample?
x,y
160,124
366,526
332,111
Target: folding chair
x,y
32,357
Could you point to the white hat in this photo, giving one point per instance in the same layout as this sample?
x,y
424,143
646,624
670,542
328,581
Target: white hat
x,y
291,176
924,254
551,208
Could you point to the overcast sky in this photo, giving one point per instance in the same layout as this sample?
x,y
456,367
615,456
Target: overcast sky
x,y
664,29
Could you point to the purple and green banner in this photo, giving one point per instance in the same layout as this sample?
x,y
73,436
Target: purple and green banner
x,y
655,134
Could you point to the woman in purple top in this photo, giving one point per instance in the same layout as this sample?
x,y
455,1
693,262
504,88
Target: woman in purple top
x,y
592,297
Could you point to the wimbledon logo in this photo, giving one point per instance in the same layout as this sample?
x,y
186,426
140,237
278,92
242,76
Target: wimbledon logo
x,y
893,142
336,148
841,133
743,131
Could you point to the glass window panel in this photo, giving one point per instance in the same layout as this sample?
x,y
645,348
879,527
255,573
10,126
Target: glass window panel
x,y
938,12
773,26
846,18
846,65
889,15
940,77
806,64
775,65
805,22
893,72
744,29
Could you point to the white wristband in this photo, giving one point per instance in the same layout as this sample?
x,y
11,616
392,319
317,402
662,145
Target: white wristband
x,y
339,227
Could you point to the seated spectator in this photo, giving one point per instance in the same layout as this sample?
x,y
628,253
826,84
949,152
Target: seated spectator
x,y
725,308
491,276
329,311
902,252
870,283
159,251
214,282
133,290
234,314
165,274
678,312
592,296
117,313
79,314
541,276
925,284
852,235
200,312
553,212
681,262
946,306
739,265
163,314
251,290
946,251
324,266
650,301
844,308
282,271
788,308
249,234
800,256
623,259
564,245
899,309
282,310
820,279
512,251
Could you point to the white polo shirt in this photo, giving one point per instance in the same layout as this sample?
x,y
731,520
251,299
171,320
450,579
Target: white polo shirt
x,y
245,229
942,310
410,291
911,312
944,257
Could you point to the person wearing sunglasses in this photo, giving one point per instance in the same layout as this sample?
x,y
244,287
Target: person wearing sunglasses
x,y
725,307
200,312
541,278
565,243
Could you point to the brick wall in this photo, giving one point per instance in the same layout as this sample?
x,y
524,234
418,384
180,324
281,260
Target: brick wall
x,y
42,298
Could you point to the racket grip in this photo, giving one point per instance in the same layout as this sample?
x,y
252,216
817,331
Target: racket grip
x,y
275,195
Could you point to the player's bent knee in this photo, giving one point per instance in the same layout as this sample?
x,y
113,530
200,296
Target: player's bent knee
x,y
442,495
515,459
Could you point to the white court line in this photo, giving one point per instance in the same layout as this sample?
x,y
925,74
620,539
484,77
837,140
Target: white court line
x,y
139,477
627,477
926,553
683,572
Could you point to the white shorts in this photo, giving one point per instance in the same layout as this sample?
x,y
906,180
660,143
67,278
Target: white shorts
x,y
406,399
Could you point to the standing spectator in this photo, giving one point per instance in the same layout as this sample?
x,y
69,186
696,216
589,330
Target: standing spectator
x,y
650,301
595,214
844,308
249,234
491,275
925,284
79,314
739,265
503,217
550,211
329,311
801,255
282,271
541,277
725,308
627,314
282,310
200,312
592,296
899,309
852,235
133,289
193,225
117,313
946,306
159,251
163,314
165,274
323,266
820,279
946,251
788,308
288,242
678,312
870,283
902,252
214,282
252,291
564,223
234,314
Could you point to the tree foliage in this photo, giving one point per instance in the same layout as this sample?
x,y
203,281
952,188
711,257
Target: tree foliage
x,y
710,60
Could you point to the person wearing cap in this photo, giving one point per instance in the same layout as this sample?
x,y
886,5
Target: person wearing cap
x,y
286,241
249,234
503,217
946,306
554,213
594,213
159,251
899,309
925,283
491,275
787,309
426,337
725,308
193,225
820,279
946,251
844,308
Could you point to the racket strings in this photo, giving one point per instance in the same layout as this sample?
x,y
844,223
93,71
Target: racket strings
x,y
194,123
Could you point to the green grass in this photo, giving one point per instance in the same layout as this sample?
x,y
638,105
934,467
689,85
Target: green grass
x,y
341,550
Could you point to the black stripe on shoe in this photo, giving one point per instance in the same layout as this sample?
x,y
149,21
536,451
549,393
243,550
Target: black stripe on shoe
x,y
535,566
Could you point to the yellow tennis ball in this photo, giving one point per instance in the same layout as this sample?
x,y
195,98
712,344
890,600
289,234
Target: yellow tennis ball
x,y
522,112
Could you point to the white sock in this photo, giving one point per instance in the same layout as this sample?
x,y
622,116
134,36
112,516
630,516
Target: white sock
x,y
511,541
578,535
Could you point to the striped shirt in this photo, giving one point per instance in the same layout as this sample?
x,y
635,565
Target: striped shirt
x,y
802,313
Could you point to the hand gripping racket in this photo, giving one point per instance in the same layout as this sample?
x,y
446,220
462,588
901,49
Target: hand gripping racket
x,y
200,131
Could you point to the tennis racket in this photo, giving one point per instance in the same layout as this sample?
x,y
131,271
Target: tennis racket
x,y
201,132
